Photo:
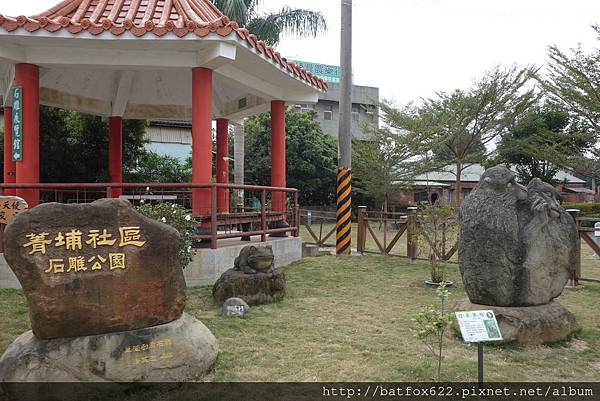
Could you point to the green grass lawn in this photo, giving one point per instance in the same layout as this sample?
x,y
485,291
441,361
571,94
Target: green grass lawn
x,y
349,319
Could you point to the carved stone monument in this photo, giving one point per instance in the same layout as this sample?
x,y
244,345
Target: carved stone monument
x,y
516,252
106,295
253,278
10,206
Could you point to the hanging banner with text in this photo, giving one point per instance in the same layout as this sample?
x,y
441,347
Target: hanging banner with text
x,y
478,326
17,123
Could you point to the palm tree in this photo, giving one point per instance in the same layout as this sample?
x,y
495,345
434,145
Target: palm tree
x,y
270,26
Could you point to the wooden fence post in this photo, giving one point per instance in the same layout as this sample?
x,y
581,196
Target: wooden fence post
x,y
411,233
577,262
362,229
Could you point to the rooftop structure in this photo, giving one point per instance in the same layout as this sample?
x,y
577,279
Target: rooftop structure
x,y
474,172
148,59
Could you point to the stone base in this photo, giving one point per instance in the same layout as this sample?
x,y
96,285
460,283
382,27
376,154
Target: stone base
x,y
310,251
529,325
253,288
178,351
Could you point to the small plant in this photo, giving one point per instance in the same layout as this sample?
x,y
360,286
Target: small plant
x,y
177,217
431,324
437,228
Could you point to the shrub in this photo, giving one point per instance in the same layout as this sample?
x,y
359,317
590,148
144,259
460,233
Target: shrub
x,y
438,231
587,209
430,324
177,217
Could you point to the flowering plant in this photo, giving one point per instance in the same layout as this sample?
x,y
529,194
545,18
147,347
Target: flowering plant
x,y
177,217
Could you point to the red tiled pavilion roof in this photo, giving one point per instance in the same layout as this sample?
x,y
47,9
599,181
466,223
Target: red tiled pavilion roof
x,y
142,17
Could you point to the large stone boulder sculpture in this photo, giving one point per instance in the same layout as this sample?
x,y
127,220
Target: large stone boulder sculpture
x,y
517,250
517,245
253,278
95,268
106,294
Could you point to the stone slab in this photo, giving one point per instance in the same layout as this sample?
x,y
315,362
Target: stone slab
x,y
235,307
174,352
528,325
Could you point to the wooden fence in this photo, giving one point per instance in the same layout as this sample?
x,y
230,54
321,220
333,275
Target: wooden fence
x,y
325,221
392,234
584,234
409,226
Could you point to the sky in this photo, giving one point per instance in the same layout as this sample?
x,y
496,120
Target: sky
x,y
412,48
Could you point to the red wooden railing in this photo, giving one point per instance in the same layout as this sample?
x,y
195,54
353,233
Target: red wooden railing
x,y
181,193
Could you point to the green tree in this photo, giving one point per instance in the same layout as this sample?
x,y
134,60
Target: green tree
x,y
152,167
573,82
461,123
271,26
382,164
311,156
74,146
540,133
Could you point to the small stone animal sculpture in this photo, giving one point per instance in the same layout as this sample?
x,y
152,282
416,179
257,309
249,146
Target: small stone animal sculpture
x,y
517,245
255,259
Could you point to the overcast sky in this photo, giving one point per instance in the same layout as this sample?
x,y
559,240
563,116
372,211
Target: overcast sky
x,y
412,48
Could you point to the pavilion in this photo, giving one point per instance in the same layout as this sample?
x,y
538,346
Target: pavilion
x,y
146,59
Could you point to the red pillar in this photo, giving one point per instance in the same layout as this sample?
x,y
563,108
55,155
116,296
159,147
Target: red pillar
x,y
27,76
115,152
223,164
9,164
201,138
278,154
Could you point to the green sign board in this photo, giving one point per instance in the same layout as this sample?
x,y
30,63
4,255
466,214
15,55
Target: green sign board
x,y
17,123
329,73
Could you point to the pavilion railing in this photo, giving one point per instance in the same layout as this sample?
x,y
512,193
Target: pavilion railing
x,y
250,213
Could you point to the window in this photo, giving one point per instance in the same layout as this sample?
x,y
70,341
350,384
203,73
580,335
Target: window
x,y
303,108
371,113
355,113
328,112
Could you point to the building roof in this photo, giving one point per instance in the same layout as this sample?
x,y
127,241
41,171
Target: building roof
x,y
426,183
578,190
474,172
149,17
171,122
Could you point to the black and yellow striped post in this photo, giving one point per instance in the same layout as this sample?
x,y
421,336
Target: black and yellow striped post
x,y
344,212
344,182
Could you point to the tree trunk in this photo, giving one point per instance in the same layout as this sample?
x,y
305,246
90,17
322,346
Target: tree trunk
x,y
458,185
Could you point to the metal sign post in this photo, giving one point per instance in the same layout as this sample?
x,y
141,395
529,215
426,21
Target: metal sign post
x,y
478,327
480,364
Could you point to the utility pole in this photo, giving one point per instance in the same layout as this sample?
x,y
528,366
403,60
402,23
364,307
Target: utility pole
x,y
344,179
